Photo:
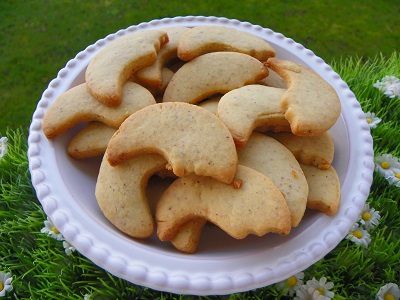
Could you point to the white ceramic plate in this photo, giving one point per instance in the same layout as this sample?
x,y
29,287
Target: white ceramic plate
x,y
223,265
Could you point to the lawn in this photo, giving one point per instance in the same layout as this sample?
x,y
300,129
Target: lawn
x,y
39,37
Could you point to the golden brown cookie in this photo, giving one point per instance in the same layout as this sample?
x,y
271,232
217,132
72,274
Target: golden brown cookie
x,y
204,39
78,105
213,73
324,189
116,62
310,104
152,75
121,193
246,108
309,150
91,141
258,207
269,157
192,139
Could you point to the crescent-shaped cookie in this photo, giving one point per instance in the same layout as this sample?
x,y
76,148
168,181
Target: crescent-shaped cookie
x,y
121,193
204,39
317,151
78,105
324,186
91,141
269,157
246,108
152,75
115,63
258,207
192,139
310,104
213,73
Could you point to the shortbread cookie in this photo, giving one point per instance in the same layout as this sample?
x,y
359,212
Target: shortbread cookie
x,y
273,80
258,207
152,75
78,105
211,104
324,189
192,139
213,73
310,104
187,239
246,108
91,141
115,63
204,39
309,150
269,157
121,193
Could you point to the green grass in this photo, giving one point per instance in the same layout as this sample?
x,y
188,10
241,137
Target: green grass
x,y
42,270
39,37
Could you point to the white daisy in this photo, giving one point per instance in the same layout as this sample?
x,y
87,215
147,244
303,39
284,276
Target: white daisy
x,y
369,217
394,177
372,119
359,236
51,230
385,164
303,294
68,248
291,284
389,85
3,146
5,283
320,289
389,291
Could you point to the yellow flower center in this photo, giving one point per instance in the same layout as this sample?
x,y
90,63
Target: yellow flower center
x,y
385,165
54,229
389,296
369,120
1,286
357,233
366,216
321,290
292,281
397,175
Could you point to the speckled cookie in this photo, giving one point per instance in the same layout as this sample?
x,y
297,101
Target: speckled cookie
x,y
246,108
258,207
192,139
116,62
269,157
213,73
310,104
324,189
204,39
78,105
152,75
309,150
121,193
91,141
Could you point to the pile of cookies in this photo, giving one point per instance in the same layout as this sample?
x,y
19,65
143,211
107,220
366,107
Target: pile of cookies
x,y
243,134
